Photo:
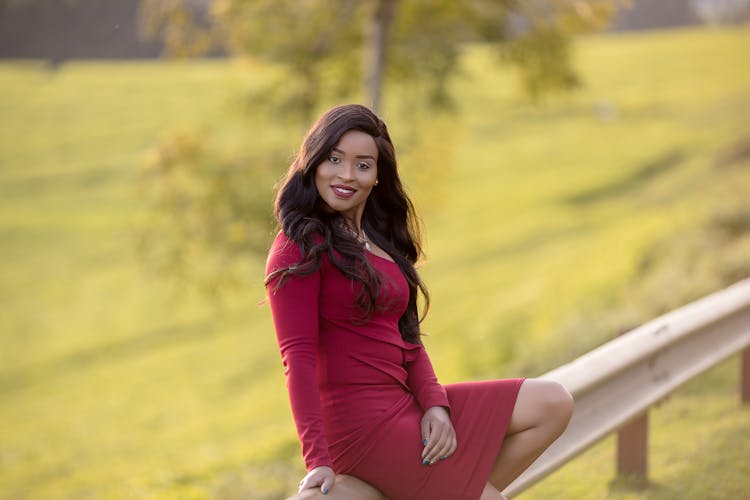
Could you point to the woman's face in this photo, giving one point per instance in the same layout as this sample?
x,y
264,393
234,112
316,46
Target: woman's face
x,y
345,179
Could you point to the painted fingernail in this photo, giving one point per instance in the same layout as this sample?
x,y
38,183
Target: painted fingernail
x,y
424,442
325,490
443,458
425,462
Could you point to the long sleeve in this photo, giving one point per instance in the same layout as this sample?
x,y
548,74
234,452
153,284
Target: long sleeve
x,y
294,307
423,382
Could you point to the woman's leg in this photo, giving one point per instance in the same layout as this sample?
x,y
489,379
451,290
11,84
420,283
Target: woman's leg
x,y
345,488
541,414
491,493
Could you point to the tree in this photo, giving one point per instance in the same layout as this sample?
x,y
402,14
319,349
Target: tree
x,y
327,47
208,209
376,42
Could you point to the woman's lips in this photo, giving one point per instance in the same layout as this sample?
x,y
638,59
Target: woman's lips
x,y
344,192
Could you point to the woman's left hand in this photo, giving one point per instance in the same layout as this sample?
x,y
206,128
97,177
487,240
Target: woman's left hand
x,y
438,435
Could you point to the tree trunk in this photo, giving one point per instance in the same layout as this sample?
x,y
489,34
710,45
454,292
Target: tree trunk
x,y
376,41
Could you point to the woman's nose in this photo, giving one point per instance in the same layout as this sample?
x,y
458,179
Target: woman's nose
x,y
346,171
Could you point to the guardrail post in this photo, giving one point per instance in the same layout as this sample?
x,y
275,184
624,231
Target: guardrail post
x,y
632,446
632,451
745,376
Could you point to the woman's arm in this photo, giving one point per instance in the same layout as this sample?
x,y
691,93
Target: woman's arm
x,y
438,434
294,307
423,382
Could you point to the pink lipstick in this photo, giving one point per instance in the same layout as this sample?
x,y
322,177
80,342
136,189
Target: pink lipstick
x,y
344,192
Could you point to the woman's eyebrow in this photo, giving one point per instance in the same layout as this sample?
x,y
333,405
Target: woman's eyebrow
x,y
337,150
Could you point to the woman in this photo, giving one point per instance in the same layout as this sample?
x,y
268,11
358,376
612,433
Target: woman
x,y
372,419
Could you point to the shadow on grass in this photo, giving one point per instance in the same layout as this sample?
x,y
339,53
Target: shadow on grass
x,y
734,154
634,484
531,243
106,353
642,175
62,183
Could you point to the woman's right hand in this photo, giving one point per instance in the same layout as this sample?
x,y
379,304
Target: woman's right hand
x,y
439,437
322,476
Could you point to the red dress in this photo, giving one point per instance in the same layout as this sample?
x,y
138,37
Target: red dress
x,y
358,391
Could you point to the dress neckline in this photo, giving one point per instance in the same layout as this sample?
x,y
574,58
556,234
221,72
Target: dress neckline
x,y
368,252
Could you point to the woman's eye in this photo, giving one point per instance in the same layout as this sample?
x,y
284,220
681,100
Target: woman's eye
x,y
334,159
363,166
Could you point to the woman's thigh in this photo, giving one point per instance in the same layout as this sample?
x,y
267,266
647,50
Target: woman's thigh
x,y
346,487
538,402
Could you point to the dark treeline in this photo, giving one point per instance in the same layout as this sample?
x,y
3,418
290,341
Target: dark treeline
x,y
92,29
80,29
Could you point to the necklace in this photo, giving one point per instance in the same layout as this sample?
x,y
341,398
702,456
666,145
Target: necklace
x,y
365,242
361,238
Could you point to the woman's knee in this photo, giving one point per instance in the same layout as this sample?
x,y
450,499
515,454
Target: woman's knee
x,y
558,402
541,403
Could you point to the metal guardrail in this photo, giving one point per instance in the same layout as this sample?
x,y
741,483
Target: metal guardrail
x,y
621,379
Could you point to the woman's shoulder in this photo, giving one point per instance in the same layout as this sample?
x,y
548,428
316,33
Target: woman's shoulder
x,y
281,241
285,252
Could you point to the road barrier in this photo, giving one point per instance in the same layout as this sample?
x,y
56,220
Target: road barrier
x,y
615,384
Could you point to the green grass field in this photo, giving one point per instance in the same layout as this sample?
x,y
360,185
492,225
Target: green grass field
x,y
537,219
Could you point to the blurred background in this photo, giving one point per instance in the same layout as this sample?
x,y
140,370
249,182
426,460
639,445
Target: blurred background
x,y
580,167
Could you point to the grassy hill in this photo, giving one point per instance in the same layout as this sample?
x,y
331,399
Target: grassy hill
x,y
539,219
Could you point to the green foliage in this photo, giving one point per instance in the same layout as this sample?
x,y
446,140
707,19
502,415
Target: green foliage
x,y
205,213
184,33
319,45
546,62
426,42
542,51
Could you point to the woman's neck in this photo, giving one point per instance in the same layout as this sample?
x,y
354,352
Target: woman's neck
x,y
356,232
353,224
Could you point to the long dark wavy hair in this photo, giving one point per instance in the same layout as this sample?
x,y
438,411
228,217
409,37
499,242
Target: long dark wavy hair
x,y
388,219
